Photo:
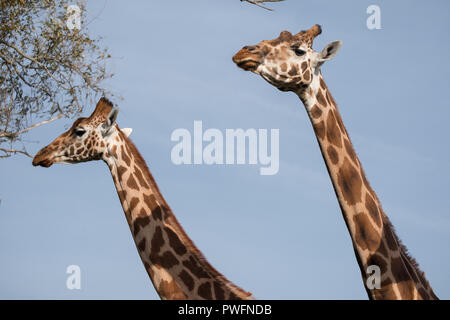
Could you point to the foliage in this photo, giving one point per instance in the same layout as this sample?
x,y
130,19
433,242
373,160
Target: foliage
x,y
48,70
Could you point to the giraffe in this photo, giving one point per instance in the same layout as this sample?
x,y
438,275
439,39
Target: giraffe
x,y
290,64
177,269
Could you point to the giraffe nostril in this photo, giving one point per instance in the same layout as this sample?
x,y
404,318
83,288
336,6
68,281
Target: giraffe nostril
x,y
250,48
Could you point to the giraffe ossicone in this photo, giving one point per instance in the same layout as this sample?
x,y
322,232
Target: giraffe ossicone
x,y
290,64
177,269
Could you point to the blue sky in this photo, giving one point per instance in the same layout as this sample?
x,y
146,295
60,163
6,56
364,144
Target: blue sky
x,y
280,236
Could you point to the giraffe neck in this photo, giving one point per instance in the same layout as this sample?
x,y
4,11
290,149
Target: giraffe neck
x,y
373,237
177,269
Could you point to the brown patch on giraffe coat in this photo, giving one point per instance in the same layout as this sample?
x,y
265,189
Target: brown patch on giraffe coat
x,y
319,129
168,260
333,132
175,242
125,157
283,67
169,290
220,294
122,194
156,213
332,154
140,223
366,237
307,75
316,112
194,268
389,236
157,240
141,245
322,84
304,66
349,182
320,98
114,151
265,49
204,291
187,279
140,177
132,183
293,71
133,203
143,213
120,171
399,270
372,208
350,151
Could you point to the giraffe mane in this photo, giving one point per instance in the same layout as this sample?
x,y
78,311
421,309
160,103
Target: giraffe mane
x,y
403,249
407,255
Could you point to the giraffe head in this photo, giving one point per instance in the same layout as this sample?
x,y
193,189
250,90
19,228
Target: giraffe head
x,y
88,138
287,62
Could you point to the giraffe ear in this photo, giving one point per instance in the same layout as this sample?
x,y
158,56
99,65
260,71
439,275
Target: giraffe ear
x,y
109,122
329,51
112,116
126,131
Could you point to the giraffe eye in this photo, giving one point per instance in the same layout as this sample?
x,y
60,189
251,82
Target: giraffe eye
x,y
79,132
299,52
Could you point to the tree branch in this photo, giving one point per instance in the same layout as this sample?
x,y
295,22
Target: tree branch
x,y
9,151
23,54
258,3
6,134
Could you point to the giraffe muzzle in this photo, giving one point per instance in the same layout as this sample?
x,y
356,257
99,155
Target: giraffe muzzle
x,y
43,159
247,58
